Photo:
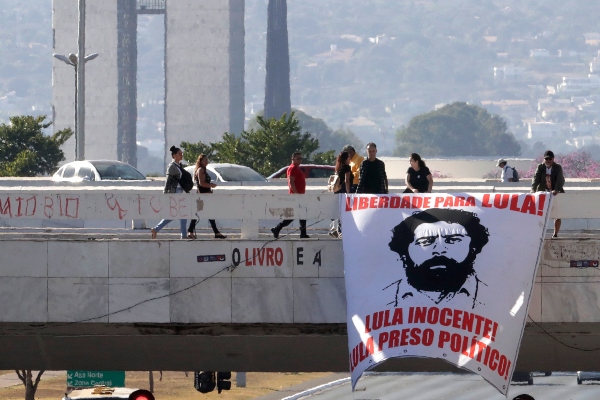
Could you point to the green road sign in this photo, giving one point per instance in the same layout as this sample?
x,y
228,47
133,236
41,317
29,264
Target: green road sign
x,y
83,379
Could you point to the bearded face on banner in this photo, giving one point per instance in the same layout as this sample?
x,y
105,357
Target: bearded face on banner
x,y
438,248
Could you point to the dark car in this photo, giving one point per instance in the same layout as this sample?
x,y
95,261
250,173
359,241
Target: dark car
x,y
310,171
521,376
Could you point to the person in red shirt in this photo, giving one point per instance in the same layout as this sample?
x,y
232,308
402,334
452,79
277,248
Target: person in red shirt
x,y
296,185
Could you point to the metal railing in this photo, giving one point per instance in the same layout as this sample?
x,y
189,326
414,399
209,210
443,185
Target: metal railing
x,y
151,6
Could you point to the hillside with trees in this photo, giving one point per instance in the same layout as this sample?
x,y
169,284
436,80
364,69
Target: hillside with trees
x,y
457,129
369,67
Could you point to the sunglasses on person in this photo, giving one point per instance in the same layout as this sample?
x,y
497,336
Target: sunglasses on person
x,y
548,158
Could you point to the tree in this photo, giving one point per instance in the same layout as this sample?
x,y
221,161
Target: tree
x,y
31,386
26,151
457,129
191,151
265,149
268,148
327,158
328,138
277,80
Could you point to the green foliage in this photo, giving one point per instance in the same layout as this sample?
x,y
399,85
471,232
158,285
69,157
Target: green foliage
x,y
265,149
191,151
327,158
26,151
234,149
457,129
270,147
328,138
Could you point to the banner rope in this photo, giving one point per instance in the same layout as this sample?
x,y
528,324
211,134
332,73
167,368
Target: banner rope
x,y
558,340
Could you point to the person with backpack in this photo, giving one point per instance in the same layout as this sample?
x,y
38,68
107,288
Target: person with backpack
x,y
174,184
509,174
203,185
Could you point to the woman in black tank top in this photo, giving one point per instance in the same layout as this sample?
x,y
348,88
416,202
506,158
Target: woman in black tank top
x,y
203,185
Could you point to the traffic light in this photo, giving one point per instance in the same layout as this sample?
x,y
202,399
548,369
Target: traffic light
x,y
204,381
223,381
141,394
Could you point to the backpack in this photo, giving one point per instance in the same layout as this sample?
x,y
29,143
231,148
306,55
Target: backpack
x,y
334,184
186,181
515,176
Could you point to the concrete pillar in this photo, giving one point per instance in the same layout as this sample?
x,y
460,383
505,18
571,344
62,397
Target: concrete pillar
x,y
204,70
127,85
240,379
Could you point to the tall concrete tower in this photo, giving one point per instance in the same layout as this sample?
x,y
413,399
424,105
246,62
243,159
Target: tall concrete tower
x,y
204,72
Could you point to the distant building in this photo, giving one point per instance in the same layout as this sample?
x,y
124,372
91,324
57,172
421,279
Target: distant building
x,y
509,72
592,38
595,63
203,64
579,85
537,53
582,129
538,131
581,141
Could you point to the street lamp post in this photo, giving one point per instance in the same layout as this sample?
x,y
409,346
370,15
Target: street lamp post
x,y
73,59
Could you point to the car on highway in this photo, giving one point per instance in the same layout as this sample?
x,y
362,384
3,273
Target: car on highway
x,y
223,172
521,376
107,393
97,170
309,170
587,376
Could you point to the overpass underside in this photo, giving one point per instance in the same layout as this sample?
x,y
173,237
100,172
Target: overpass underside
x,y
253,347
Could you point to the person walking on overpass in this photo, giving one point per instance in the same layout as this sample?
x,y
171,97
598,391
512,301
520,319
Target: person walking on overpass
x,y
296,185
173,185
507,171
203,185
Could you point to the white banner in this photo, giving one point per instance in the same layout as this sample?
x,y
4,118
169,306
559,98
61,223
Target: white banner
x,y
446,276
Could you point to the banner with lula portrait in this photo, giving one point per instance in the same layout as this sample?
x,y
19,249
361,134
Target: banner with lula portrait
x,y
445,276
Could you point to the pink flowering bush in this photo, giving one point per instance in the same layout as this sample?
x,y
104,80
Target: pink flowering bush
x,y
496,173
578,164
438,174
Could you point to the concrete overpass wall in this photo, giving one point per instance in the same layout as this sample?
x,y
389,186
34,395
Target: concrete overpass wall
x,y
165,281
143,304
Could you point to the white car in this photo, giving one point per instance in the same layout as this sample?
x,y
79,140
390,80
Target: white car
x,y
102,392
230,173
97,170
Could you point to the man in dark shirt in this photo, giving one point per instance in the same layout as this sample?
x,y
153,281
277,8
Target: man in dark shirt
x,y
549,177
296,185
372,177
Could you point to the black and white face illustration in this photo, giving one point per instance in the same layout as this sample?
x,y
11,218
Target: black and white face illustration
x,y
441,240
438,248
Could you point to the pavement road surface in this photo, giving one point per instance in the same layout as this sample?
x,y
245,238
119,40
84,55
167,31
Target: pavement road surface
x,y
456,386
